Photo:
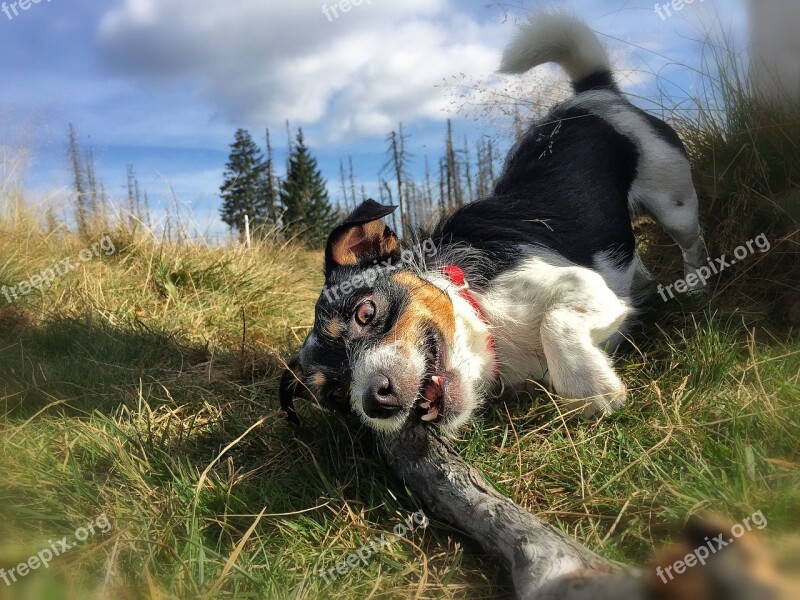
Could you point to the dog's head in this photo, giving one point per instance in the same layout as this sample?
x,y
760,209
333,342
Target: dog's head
x,y
386,342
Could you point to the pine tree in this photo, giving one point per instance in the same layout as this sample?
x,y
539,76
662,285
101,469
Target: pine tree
x,y
308,214
244,189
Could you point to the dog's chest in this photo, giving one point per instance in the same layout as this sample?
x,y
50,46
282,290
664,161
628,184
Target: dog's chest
x,y
514,306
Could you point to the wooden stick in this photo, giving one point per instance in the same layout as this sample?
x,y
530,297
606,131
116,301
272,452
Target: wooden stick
x,y
547,565
538,556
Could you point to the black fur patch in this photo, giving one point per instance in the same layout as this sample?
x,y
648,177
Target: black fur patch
x,y
564,187
664,131
599,80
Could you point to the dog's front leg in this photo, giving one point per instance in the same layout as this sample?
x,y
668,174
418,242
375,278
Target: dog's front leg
x,y
578,370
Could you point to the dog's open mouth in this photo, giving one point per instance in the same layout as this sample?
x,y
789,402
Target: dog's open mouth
x,y
433,389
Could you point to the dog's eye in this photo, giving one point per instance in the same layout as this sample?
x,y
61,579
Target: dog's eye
x,y
365,313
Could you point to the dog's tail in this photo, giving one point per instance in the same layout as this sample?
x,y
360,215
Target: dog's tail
x,y
563,39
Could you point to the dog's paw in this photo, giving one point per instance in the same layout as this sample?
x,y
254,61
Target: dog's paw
x,y
600,404
696,280
605,404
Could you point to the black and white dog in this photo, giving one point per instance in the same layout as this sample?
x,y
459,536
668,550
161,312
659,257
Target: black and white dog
x,y
532,282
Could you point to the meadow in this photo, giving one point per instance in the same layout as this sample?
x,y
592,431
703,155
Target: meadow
x,y
141,386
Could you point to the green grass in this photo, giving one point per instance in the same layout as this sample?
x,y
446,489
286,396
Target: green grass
x,y
128,390
143,386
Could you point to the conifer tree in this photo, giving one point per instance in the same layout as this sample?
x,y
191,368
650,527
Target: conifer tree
x,y
243,191
308,214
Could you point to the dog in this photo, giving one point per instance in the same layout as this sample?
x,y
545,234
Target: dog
x,y
534,282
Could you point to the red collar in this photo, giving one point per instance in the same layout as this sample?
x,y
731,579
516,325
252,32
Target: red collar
x,y
456,277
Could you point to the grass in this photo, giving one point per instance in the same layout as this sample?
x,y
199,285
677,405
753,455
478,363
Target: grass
x,y
143,385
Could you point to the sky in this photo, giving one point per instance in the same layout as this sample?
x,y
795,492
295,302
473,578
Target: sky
x,y
163,84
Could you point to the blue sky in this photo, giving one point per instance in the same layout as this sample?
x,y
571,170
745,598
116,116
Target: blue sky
x,y
163,84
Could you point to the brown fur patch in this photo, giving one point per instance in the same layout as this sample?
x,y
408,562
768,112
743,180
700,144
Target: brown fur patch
x,y
428,304
335,328
317,380
373,239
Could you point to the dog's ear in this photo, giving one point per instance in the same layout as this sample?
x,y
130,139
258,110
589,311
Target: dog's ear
x,y
361,237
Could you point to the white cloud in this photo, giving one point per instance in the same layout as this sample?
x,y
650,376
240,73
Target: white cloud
x,y
264,62
359,74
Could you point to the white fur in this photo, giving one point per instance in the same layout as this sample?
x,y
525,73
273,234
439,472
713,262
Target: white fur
x,y
548,318
555,38
399,359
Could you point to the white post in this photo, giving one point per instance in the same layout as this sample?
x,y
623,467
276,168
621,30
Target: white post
x,y
247,230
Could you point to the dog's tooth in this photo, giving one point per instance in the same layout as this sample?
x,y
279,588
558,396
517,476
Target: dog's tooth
x,y
429,416
436,380
425,405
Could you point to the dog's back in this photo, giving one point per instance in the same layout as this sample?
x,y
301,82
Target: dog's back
x,y
564,189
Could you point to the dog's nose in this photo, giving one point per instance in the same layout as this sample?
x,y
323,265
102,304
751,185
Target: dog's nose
x,y
380,398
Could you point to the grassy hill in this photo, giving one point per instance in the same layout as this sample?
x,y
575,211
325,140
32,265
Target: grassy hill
x,y
140,386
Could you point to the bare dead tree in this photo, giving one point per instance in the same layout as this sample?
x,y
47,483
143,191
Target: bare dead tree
x,y
352,182
385,187
147,210
92,191
103,206
272,192
454,194
467,171
428,188
344,184
490,162
133,190
50,219
81,216
397,162
443,199
481,183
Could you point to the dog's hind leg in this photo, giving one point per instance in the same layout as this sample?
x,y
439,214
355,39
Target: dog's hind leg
x,y
662,187
663,190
